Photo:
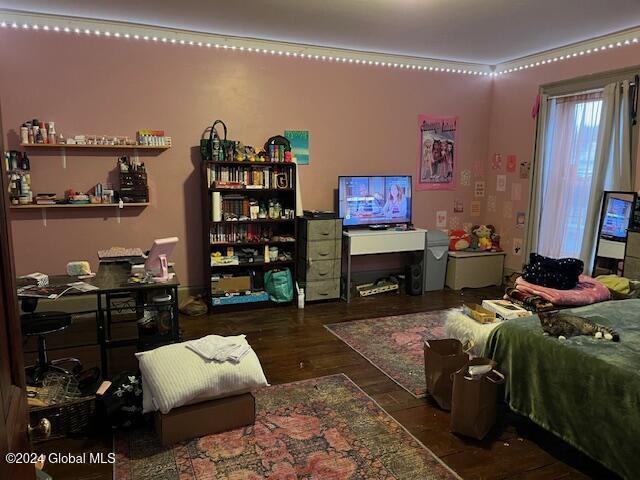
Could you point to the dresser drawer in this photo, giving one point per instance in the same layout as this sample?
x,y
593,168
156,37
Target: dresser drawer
x,y
633,244
324,250
322,230
322,290
323,269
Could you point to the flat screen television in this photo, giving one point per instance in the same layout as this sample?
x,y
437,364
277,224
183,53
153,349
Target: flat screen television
x,y
616,219
381,200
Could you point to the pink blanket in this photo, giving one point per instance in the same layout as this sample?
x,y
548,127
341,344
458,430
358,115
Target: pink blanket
x,y
588,291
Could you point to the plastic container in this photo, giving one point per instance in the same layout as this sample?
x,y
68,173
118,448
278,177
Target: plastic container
x,y
435,264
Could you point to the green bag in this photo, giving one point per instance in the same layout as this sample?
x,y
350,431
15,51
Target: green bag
x,y
279,285
215,148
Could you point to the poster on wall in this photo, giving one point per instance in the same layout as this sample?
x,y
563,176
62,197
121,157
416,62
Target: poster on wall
x,y
496,162
441,219
491,204
478,191
458,206
454,223
511,163
465,178
299,140
516,192
475,208
525,166
501,183
437,161
521,219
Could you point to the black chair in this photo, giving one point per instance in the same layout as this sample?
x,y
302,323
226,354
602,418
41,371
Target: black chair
x,y
41,324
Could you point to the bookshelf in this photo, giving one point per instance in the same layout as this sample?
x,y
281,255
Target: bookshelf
x,y
248,213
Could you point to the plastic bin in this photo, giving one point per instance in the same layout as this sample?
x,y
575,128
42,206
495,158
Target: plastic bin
x,y
435,265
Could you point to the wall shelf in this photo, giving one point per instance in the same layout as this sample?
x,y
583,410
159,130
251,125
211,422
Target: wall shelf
x,y
77,205
94,147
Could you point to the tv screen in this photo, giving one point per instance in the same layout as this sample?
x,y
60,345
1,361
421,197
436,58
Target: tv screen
x,y
374,200
616,219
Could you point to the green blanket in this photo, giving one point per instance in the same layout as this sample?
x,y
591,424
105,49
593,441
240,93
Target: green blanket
x,y
584,390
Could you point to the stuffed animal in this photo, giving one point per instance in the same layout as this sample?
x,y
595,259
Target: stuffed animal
x,y
495,242
483,234
459,240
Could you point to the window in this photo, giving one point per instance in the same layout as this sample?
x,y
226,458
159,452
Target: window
x,y
571,139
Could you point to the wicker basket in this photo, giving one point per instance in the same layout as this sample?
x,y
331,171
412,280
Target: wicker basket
x,y
66,419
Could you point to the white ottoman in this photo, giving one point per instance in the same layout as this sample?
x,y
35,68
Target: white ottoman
x,y
472,334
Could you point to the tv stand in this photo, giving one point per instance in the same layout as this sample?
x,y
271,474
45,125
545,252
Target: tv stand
x,y
374,242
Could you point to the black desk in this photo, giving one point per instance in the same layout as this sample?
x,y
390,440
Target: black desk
x,y
113,281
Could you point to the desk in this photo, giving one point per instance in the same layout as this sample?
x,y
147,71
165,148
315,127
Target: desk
x,y
373,242
112,281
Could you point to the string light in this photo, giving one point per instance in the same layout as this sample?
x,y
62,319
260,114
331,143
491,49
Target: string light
x,y
419,65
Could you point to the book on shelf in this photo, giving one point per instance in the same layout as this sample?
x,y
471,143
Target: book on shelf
x,y
232,176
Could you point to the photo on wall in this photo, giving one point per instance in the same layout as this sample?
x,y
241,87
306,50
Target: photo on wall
x,y
437,162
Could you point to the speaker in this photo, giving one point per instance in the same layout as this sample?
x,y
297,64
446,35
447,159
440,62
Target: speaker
x,y
413,279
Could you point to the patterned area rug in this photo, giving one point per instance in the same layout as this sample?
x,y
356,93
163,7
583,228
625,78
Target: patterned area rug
x,y
325,428
395,345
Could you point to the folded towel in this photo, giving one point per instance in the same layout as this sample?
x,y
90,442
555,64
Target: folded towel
x,y
220,349
588,291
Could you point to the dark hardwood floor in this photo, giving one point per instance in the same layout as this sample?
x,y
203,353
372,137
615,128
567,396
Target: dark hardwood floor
x,y
294,345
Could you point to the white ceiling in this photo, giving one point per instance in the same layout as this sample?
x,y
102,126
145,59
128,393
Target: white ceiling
x,y
479,31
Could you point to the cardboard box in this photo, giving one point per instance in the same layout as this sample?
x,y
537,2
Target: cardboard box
x,y
231,284
478,313
505,310
205,418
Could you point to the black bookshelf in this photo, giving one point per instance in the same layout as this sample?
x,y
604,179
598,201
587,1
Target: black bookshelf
x,y
239,229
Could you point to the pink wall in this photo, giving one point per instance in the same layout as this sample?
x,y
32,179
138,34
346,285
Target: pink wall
x,y
512,130
362,120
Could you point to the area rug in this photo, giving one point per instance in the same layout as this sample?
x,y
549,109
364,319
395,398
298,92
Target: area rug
x,y
325,428
395,345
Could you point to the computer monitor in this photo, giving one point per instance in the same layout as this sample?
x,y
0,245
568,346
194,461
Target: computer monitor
x,y
157,261
616,219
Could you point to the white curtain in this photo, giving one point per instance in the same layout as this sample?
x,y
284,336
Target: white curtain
x,y
568,157
613,166
585,150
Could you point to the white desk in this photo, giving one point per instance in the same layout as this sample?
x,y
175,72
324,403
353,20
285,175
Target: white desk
x,y
372,242
611,249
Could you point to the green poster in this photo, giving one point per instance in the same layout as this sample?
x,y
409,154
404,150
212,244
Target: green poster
x,y
299,140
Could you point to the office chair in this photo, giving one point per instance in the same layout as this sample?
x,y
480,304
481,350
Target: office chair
x,y
41,324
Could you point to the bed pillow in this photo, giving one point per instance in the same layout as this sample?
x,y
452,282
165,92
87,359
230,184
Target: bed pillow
x,y
174,375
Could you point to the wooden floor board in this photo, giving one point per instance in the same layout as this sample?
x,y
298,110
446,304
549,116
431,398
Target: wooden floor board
x,y
295,345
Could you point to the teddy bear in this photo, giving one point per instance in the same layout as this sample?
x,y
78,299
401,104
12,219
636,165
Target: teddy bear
x,y
483,234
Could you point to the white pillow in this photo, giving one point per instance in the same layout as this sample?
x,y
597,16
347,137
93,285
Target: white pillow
x,y
174,375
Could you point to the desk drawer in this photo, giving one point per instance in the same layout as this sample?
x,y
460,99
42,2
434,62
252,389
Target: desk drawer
x,y
323,270
322,290
324,250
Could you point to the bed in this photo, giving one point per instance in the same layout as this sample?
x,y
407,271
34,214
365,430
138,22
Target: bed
x,y
584,390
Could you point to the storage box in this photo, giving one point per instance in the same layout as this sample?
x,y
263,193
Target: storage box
x,y
205,418
479,313
231,284
505,309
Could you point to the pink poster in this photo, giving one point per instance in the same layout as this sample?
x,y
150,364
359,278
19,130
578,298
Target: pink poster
x,y
511,163
437,153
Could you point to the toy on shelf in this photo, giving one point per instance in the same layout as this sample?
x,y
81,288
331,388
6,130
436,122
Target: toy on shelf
x,y
459,240
485,238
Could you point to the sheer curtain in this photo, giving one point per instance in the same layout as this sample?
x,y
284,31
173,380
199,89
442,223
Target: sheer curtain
x,y
569,154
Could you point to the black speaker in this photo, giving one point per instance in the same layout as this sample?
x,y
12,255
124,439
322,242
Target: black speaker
x,y
413,279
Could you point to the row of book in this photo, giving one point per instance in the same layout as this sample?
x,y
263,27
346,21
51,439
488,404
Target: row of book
x,y
246,233
274,176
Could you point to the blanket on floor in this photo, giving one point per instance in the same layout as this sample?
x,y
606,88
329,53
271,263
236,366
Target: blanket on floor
x,y
584,390
588,291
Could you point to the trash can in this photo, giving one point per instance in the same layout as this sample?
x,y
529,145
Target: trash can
x,y
435,265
